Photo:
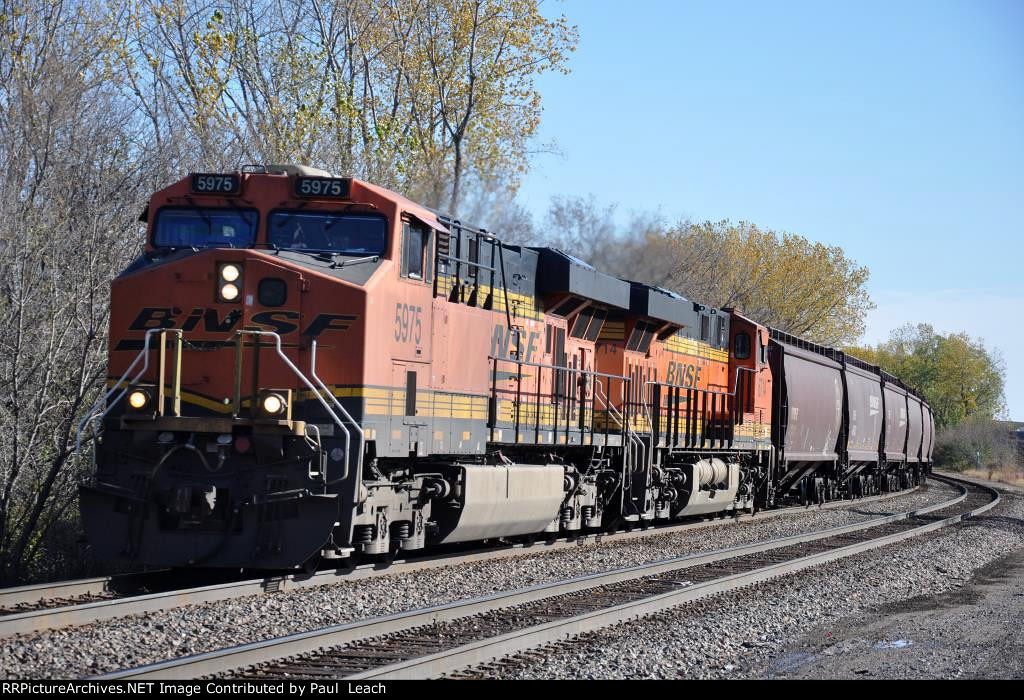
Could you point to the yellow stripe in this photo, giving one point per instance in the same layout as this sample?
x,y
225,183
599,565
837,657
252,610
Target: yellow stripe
x,y
690,346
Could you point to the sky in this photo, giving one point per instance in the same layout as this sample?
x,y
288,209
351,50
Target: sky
x,y
894,129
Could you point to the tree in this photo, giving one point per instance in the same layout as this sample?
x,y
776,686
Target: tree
x,y
482,57
103,102
76,167
784,280
410,94
959,377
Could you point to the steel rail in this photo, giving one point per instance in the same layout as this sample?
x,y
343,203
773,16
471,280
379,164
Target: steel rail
x,y
487,650
85,613
74,588
275,649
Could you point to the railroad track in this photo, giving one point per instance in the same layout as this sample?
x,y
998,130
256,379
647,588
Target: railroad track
x,y
71,603
443,639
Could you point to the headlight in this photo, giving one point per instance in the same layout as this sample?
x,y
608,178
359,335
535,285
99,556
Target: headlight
x,y
229,273
229,282
273,404
138,399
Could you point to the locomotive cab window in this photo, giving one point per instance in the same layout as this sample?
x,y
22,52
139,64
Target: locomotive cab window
x,y
416,248
741,346
195,227
358,235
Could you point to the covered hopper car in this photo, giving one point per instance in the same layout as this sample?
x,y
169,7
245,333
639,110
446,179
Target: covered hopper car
x,y
306,367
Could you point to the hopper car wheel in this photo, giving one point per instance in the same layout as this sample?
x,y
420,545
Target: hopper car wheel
x,y
311,565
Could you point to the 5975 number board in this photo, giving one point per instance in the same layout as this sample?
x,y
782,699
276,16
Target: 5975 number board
x,y
322,187
216,183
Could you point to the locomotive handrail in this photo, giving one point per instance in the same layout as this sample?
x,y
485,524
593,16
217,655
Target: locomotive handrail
x,y
94,413
453,223
617,414
560,367
632,441
649,459
319,448
736,415
585,374
358,428
305,380
481,266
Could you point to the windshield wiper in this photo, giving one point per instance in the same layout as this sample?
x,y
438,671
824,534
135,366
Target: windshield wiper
x,y
336,265
328,256
321,255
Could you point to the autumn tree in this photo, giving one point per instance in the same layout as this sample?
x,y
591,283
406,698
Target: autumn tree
x,y
781,279
959,376
77,168
482,57
416,95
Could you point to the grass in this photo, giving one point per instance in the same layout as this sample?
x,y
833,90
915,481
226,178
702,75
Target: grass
x,y
1013,476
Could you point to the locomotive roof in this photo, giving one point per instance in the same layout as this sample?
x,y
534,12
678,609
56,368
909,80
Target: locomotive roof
x,y
422,213
662,304
559,272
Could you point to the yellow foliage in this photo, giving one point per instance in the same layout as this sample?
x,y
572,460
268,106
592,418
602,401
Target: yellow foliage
x,y
407,93
784,280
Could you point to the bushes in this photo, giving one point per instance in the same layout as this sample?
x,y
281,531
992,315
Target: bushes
x,y
977,443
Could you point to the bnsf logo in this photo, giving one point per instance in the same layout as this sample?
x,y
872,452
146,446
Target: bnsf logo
x,y
282,322
683,374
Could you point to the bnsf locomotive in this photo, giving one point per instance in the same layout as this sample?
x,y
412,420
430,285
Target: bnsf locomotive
x,y
303,366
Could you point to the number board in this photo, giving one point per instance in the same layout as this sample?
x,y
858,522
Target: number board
x,y
211,183
323,187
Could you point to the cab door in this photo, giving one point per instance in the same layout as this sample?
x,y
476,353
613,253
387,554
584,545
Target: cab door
x,y
412,343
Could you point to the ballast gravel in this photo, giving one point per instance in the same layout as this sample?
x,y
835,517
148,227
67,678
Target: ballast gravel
x,y
135,640
745,633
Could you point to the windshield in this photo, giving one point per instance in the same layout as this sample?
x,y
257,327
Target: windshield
x,y
182,227
324,232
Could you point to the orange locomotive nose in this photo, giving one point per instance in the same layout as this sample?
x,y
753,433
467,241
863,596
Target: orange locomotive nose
x,y
187,294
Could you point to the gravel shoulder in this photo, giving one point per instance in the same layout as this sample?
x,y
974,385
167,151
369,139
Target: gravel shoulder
x,y
136,640
781,627
976,631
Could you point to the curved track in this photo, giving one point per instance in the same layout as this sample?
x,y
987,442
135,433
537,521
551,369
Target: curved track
x,y
69,603
442,639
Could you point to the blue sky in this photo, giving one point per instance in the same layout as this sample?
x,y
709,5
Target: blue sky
x,y
895,130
